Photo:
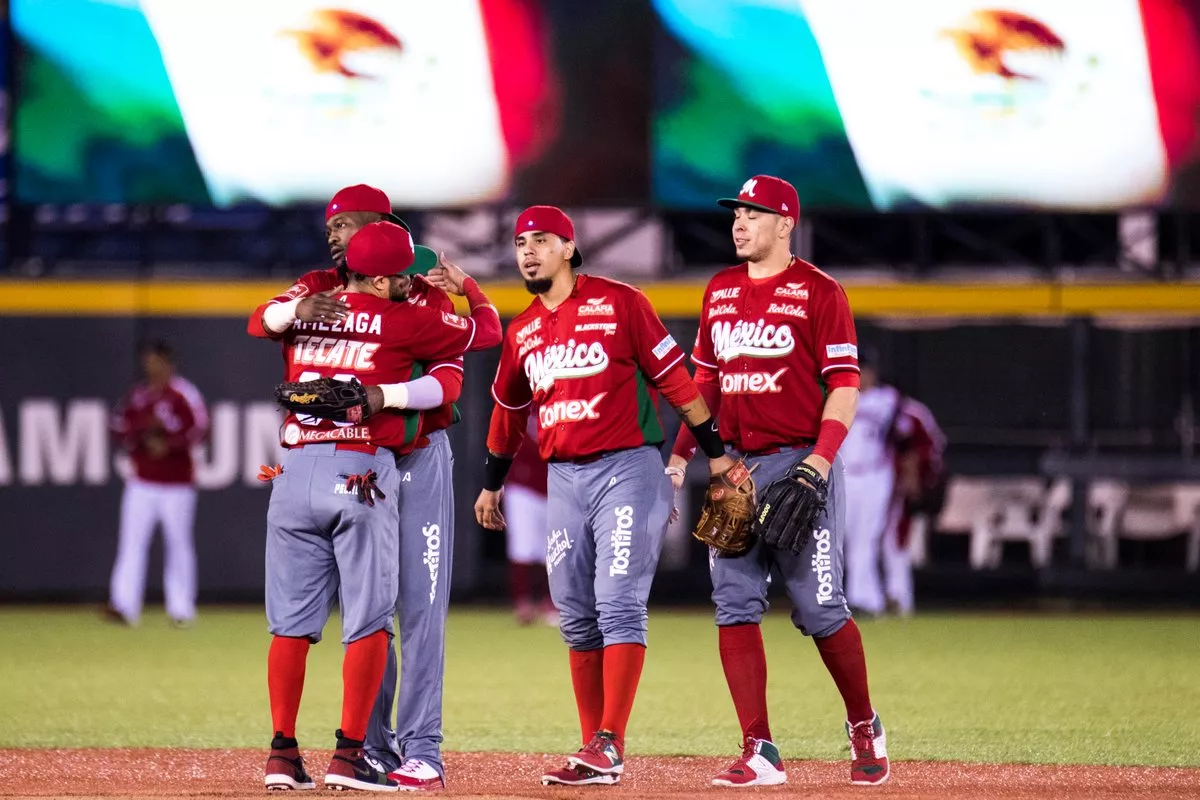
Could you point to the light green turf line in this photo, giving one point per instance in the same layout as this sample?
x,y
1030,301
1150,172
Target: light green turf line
x,y
992,688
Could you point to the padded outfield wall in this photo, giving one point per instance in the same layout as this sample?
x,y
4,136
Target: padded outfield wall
x,y
993,362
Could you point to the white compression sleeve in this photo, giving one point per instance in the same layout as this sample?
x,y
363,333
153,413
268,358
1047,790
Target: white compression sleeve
x,y
422,394
278,317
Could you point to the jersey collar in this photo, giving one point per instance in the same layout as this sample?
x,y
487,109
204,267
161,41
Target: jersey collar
x,y
579,279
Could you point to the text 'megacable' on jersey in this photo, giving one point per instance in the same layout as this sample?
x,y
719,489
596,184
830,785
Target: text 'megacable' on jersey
x,y
589,367
773,343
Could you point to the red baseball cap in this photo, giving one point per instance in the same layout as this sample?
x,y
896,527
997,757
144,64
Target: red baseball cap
x,y
380,249
767,193
550,219
361,197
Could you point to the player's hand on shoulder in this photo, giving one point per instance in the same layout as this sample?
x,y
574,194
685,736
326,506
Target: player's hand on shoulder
x,y
487,510
447,276
321,307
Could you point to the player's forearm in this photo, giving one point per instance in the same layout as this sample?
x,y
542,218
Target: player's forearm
x,y
276,318
450,376
488,331
703,427
841,404
695,412
421,394
505,433
685,441
255,326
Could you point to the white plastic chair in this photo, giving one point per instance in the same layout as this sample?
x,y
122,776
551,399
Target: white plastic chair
x,y
1163,512
998,510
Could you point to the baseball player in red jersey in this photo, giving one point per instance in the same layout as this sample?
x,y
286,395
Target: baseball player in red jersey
x,y
158,422
777,354
322,543
587,357
410,751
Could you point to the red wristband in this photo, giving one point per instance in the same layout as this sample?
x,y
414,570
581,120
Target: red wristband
x,y
832,434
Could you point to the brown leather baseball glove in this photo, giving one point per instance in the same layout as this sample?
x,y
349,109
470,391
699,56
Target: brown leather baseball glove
x,y
724,522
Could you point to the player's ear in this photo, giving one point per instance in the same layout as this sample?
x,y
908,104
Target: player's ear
x,y
785,227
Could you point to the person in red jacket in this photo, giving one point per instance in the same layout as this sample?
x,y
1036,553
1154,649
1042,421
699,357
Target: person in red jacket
x,y
158,422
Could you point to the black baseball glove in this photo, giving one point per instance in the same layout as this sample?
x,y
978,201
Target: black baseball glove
x,y
326,398
790,507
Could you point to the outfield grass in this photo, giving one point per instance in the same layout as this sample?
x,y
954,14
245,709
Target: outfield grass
x,y
993,688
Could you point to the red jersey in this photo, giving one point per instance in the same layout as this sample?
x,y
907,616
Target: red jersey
x,y
422,293
379,342
772,344
588,367
176,414
916,431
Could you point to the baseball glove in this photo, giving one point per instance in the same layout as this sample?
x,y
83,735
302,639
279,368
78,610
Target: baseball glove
x,y
326,398
790,508
724,523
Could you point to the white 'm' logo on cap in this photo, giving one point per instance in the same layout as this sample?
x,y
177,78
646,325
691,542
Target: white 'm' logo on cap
x,y
748,187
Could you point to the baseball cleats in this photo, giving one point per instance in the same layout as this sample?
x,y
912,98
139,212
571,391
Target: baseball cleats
x,y
379,763
760,765
349,769
415,775
578,776
285,767
868,753
602,754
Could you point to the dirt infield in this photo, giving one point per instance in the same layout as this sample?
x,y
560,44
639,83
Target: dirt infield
x,y
238,773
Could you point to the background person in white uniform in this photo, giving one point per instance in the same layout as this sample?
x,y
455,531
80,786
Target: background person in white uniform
x,y
893,457
158,422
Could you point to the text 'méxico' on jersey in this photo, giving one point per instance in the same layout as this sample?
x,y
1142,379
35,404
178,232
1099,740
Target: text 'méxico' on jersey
x,y
773,343
589,368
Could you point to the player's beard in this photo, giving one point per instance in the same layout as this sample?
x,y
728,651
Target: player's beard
x,y
398,290
538,285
